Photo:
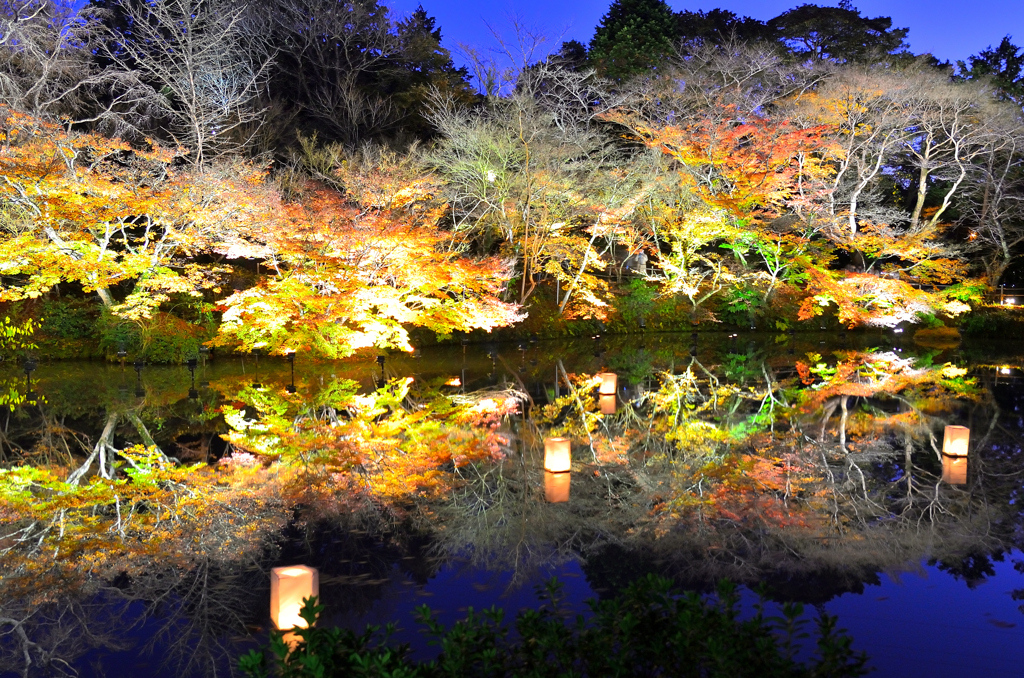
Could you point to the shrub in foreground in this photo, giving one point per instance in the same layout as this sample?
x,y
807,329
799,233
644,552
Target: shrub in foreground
x,y
649,630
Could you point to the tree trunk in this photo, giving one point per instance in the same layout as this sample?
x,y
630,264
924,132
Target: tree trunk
x,y
102,292
842,422
99,451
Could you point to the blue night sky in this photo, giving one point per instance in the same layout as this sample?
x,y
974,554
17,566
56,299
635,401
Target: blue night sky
x,y
949,29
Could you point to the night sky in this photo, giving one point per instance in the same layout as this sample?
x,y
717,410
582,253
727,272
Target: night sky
x,y
949,29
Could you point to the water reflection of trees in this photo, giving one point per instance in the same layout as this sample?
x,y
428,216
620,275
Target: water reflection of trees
x,y
183,622
85,568
811,472
754,468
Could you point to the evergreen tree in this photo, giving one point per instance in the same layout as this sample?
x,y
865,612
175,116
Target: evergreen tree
x,y
632,38
572,55
351,72
419,66
1004,65
720,25
837,33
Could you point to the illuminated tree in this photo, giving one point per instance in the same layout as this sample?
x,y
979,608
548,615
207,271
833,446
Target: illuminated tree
x,y
346,275
532,176
97,212
208,66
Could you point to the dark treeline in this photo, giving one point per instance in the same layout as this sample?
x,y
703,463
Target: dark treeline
x,y
352,72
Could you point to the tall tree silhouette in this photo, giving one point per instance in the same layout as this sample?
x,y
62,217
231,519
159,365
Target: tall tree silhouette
x,y
633,37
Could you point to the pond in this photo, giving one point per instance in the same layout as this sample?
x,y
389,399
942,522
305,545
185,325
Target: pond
x,y
809,464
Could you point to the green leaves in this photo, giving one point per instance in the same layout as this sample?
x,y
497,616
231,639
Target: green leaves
x,y
650,629
15,336
633,37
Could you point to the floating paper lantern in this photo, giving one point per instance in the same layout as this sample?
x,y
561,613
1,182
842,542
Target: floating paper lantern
x,y
556,487
609,383
288,586
608,404
955,441
557,456
954,470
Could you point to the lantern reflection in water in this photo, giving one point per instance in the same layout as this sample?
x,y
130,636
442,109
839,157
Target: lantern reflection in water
x,y
955,440
556,487
557,458
288,586
608,404
609,383
954,470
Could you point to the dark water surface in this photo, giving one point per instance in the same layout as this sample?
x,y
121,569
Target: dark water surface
x,y
924,570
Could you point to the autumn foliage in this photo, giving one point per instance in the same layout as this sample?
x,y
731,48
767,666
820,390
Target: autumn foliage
x,y
341,276
348,276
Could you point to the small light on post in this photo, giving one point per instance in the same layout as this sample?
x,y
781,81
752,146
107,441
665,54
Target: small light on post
x,y
290,357
288,586
954,470
556,487
140,391
29,366
955,441
557,455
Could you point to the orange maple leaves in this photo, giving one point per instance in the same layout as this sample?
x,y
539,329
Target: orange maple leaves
x,y
745,164
347,276
341,275
96,211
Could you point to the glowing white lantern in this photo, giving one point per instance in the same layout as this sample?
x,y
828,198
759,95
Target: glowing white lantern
x,y
955,441
608,404
288,586
609,383
557,455
556,487
954,470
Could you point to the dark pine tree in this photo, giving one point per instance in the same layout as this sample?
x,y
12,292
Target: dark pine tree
x,y
634,37
720,25
838,34
1004,66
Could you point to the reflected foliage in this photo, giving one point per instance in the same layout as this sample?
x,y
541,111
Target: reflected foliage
x,y
768,459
